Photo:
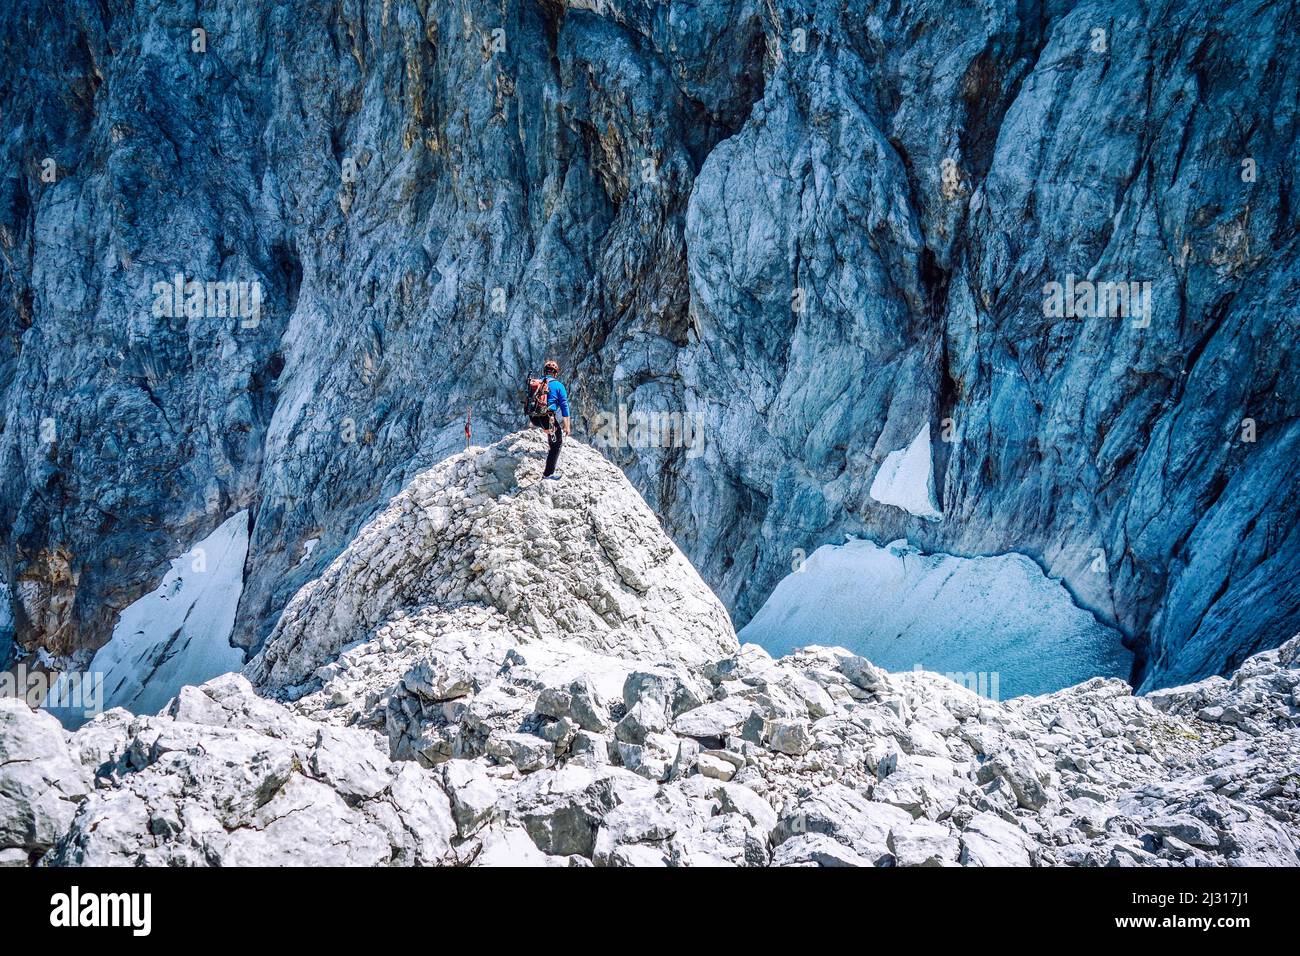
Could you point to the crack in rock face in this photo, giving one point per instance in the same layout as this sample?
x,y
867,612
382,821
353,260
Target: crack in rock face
x,y
425,703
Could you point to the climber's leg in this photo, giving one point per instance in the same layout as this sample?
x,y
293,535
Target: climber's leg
x,y
555,437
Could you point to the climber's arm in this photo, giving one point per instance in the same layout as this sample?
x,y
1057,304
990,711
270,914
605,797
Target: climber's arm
x,y
562,407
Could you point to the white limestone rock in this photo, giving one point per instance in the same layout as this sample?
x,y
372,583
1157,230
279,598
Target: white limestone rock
x,y
253,784
990,840
583,560
41,780
924,844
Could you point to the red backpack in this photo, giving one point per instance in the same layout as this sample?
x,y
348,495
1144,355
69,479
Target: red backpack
x,y
537,397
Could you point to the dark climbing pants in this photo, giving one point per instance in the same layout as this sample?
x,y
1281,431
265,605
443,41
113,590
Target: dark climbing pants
x,y
554,438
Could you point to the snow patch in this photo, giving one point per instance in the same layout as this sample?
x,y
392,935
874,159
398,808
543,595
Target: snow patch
x,y
998,619
906,479
308,547
179,633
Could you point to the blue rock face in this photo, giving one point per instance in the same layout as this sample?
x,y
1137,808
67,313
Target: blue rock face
x,y
1063,235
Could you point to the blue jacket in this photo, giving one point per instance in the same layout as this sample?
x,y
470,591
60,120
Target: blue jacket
x,y
557,397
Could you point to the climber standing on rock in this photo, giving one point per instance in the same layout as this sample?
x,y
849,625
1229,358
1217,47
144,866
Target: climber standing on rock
x,y
547,405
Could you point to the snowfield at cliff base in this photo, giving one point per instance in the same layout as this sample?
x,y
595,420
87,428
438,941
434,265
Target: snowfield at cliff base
x,y
996,619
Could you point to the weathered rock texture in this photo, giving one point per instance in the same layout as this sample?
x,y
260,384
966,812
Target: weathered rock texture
x,y
448,729
583,559
653,188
